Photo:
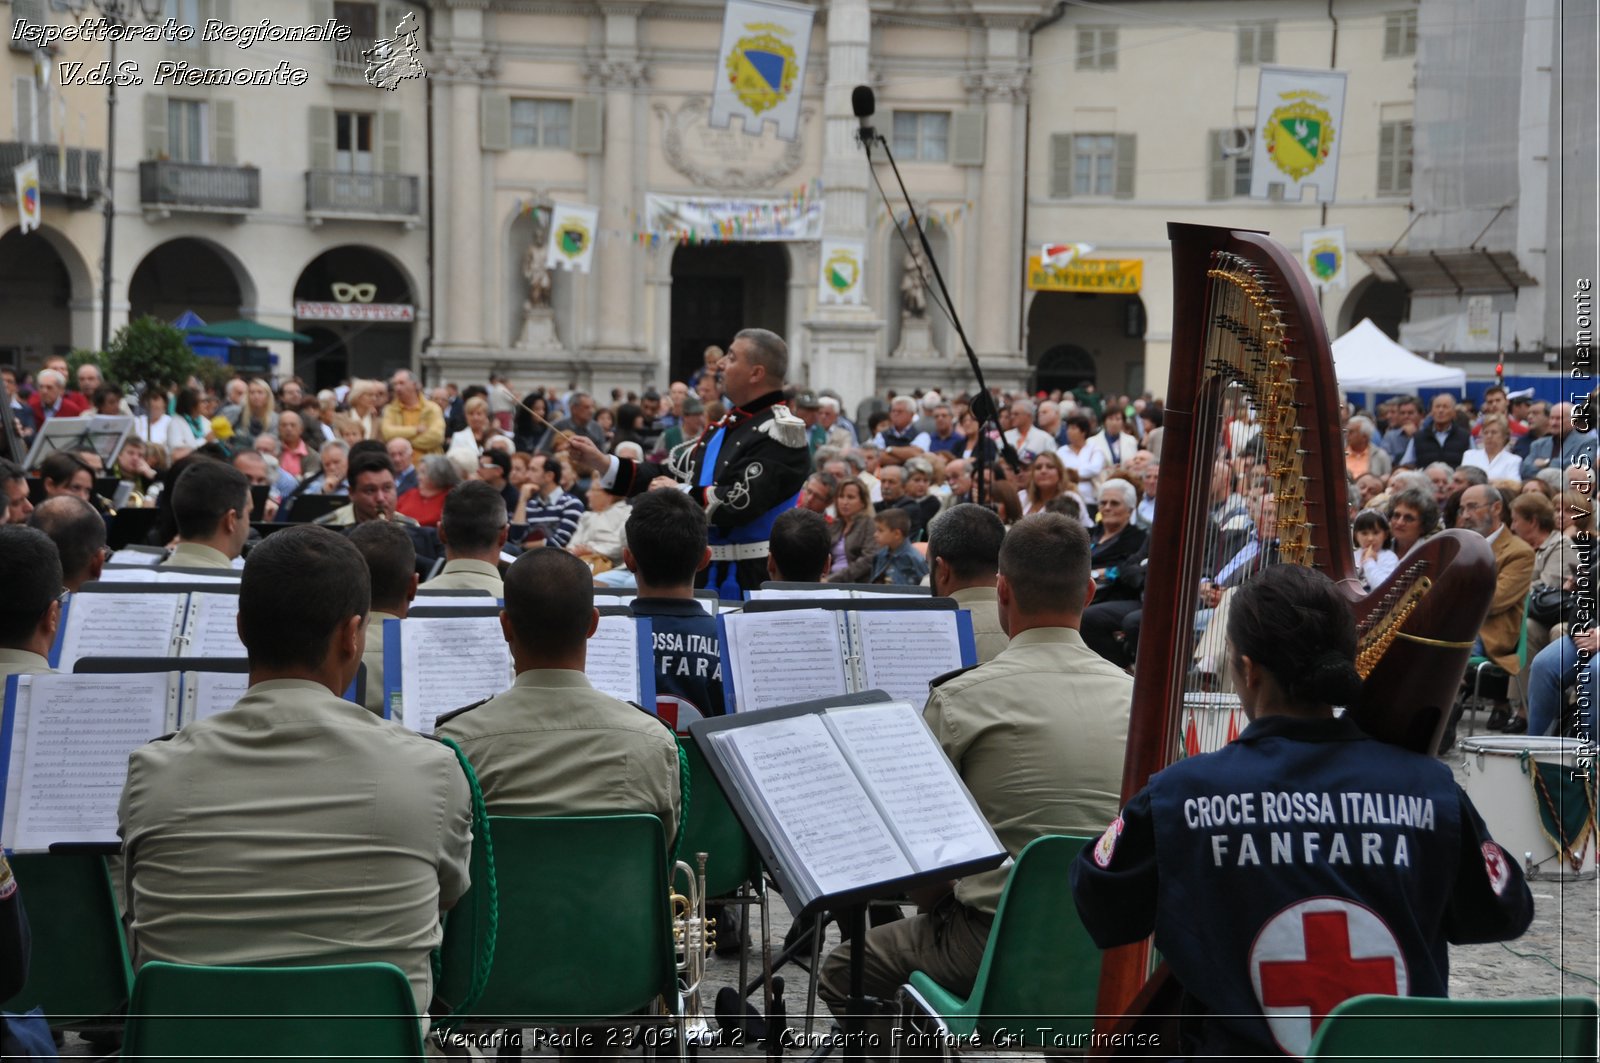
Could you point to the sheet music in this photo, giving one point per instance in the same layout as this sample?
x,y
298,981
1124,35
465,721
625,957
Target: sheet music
x,y
902,652
214,692
19,742
613,661
816,803
455,601
82,729
129,575
120,625
778,594
449,662
137,558
778,658
916,786
213,627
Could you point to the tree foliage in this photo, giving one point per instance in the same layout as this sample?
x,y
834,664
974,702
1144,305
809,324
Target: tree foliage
x,y
149,353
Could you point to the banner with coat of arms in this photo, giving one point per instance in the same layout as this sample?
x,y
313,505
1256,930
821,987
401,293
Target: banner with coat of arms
x,y
572,232
842,263
1299,129
1322,253
30,209
761,66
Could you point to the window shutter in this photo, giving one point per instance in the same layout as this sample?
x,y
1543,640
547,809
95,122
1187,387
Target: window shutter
x,y
494,121
1108,48
1391,36
389,141
1060,166
1219,167
1386,157
36,15
222,138
1087,39
1267,44
321,131
588,125
1247,45
1125,165
1403,158
966,137
22,108
155,125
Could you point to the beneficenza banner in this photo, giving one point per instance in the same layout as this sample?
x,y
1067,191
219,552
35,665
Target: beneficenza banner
x,y
1087,275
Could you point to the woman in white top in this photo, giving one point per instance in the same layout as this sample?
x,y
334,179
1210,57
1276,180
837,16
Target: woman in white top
x,y
364,396
1085,461
154,421
1496,457
467,444
600,530
186,429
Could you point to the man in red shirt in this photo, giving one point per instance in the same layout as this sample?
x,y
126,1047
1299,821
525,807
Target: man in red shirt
x,y
53,399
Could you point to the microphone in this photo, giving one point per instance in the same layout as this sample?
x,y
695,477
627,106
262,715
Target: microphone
x,y
864,102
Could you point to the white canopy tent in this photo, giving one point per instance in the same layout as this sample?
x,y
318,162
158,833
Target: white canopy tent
x,y
1365,360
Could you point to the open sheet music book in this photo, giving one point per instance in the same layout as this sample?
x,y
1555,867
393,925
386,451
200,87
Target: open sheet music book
x,y
434,665
154,621
848,798
780,657
781,591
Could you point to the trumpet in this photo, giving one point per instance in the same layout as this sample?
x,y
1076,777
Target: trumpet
x,y
693,938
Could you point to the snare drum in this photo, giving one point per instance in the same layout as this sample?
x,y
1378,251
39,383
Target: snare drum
x,y
1506,799
1210,721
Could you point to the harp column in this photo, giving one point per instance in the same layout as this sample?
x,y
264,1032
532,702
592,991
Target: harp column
x,y
1003,90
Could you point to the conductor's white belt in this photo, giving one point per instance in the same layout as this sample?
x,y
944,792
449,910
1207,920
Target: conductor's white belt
x,y
740,551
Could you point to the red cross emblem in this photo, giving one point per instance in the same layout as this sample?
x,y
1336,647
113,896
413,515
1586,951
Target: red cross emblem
x,y
1313,956
1494,862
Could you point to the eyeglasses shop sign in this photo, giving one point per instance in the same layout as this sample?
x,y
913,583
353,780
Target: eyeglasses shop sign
x,y
355,311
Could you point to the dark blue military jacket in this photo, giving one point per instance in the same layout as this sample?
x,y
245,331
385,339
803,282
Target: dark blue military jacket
x,y
1298,866
688,661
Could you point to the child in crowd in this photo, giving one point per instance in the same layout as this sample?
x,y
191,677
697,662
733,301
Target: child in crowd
x,y
1374,548
897,561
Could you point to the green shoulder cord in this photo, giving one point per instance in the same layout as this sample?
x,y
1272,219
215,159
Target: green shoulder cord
x,y
683,801
486,900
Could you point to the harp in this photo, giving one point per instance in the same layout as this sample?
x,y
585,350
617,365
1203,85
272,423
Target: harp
x,y
1252,385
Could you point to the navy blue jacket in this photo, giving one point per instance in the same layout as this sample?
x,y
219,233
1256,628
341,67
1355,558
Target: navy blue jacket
x,y
688,660
1300,865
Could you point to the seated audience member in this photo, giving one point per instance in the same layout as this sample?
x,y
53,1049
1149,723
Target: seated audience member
x,y
600,531
856,527
963,560
14,493
473,531
666,534
402,457
1373,544
892,479
335,464
545,513
79,532
1413,517
494,469
247,834
1481,511
211,506
1037,735
1404,888
553,745
1533,520
1568,661
896,561
372,495
52,399
392,567
65,473
1119,537
30,610
800,547
436,477
918,486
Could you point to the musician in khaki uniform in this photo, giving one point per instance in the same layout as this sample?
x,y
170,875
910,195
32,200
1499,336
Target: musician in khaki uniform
x,y
553,745
392,567
296,828
473,529
211,506
963,560
30,606
1037,735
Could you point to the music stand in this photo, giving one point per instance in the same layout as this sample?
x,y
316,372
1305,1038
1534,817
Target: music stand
x,y
309,508
103,433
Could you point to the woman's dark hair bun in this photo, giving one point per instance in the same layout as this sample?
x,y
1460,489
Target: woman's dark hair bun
x,y
1333,675
1295,623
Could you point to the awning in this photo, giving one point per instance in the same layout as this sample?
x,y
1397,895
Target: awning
x,y
250,330
1459,270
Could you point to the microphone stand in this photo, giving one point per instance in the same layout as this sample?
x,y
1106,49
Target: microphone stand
x,y
982,405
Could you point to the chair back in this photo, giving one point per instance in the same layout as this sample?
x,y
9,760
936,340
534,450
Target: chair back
x,y
712,828
1379,1028
363,1010
79,972
585,927
1040,963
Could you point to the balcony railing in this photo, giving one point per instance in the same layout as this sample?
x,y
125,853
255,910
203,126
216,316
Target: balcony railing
x,y
348,65
196,185
78,187
371,194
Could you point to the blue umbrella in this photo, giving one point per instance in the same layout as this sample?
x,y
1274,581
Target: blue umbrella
x,y
213,347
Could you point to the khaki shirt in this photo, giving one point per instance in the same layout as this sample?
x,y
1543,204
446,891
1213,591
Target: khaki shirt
x,y
196,555
345,517
372,657
984,605
553,745
464,574
20,662
295,828
1037,735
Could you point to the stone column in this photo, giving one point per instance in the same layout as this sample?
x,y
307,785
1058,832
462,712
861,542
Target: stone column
x,y
1003,89
621,74
461,285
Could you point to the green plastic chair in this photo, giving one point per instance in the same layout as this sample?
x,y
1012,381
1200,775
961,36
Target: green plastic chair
x,y
79,973
585,926
1379,1028
1040,971
358,1011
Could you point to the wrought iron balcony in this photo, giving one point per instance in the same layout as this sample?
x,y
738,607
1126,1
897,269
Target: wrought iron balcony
x,y
348,64
76,187
376,196
165,185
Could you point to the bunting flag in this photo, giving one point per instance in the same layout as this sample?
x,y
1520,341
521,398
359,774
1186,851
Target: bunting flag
x,y
761,66
30,208
1191,740
1055,256
840,282
1233,724
1300,126
1323,255
572,231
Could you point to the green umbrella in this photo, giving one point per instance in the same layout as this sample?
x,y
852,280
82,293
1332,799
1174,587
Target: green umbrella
x,y
249,330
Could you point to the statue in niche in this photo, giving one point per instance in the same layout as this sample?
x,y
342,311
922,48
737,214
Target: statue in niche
x,y
913,298
534,269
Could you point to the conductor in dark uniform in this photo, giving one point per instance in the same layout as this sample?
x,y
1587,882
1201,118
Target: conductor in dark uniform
x,y
1305,862
746,469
